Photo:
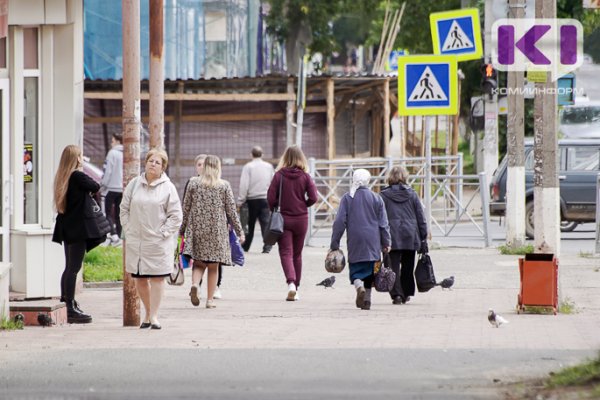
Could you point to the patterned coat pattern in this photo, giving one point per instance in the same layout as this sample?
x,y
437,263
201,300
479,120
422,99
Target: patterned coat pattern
x,y
206,211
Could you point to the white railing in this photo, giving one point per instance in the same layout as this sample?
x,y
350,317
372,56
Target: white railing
x,y
447,207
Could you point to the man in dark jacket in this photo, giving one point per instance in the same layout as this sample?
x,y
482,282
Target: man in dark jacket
x,y
408,228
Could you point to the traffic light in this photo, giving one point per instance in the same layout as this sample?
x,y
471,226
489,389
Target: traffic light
x,y
489,81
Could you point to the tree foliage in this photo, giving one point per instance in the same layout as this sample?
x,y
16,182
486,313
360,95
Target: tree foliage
x,y
319,26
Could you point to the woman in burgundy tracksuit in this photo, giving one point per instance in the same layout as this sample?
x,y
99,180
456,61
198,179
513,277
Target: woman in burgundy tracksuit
x,y
298,192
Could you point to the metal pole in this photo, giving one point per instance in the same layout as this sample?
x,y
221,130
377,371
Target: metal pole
x,y
131,134
301,100
515,187
485,208
598,214
490,138
428,172
157,90
311,210
289,126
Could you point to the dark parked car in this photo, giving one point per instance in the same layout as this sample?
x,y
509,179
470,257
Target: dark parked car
x,y
579,167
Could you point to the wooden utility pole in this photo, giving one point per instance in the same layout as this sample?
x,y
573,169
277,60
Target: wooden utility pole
x,y
545,177
515,186
131,134
157,89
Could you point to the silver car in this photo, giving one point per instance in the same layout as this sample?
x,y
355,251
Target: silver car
x,y
578,170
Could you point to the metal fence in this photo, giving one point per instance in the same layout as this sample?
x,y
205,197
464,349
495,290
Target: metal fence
x,y
448,208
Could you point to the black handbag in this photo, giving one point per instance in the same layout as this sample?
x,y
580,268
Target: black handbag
x,y
424,273
385,278
275,226
93,215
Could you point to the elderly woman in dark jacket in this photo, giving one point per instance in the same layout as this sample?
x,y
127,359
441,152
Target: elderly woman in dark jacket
x,y
409,232
362,215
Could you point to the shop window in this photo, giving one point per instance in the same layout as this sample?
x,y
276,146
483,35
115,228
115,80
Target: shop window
x,y
31,152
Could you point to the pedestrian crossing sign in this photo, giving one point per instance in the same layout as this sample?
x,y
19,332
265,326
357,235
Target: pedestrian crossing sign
x,y
457,33
427,85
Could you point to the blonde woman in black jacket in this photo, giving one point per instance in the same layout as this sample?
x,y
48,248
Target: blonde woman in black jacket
x,y
77,233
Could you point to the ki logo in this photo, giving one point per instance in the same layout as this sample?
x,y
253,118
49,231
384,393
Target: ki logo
x,y
552,45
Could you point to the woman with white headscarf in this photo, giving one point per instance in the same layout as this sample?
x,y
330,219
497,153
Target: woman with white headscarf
x,y
363,217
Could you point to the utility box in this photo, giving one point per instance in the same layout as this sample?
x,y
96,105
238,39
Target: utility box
x,y
539,282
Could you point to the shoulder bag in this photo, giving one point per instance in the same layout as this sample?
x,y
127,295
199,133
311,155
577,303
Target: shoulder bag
x,y
93,215
275,226
176,277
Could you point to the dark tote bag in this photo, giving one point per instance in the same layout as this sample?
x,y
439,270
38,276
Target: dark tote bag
x,y
424,273
275,226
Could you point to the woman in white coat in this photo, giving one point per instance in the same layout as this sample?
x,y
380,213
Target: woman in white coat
x,y
151,216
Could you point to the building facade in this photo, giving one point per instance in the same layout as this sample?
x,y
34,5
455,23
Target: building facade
x,y
41,111
202,39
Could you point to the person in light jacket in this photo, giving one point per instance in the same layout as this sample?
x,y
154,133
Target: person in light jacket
x,y
409,232
208,206
298,193
151,216
254,183
362,215
112,182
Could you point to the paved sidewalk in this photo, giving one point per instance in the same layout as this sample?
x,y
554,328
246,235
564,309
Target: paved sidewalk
x,y
253,315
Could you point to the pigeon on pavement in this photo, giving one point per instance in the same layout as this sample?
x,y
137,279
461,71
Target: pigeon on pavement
x,y
446,283
328,282
44,320
496,319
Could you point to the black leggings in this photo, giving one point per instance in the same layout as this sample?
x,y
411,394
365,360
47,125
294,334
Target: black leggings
x,y
112,202
74,253
368,281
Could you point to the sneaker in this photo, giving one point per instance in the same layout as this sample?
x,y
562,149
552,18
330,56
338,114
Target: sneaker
x,y
296,297
291,296
366,305
116,242
194,296
360,297
398,300
217,294
106,243
210,304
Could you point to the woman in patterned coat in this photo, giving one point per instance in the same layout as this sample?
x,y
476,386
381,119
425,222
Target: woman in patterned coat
x,y
207,208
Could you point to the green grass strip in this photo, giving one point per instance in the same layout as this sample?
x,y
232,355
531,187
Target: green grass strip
x,y
103,264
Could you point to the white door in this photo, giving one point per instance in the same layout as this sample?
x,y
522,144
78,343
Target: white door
x,y
5,187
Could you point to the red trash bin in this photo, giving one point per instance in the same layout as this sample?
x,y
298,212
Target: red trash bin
x,y
539,282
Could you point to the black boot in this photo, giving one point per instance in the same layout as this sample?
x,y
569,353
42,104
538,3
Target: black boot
x,y
75,315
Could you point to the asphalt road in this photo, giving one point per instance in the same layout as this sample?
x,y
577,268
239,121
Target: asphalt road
x,y
271,374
